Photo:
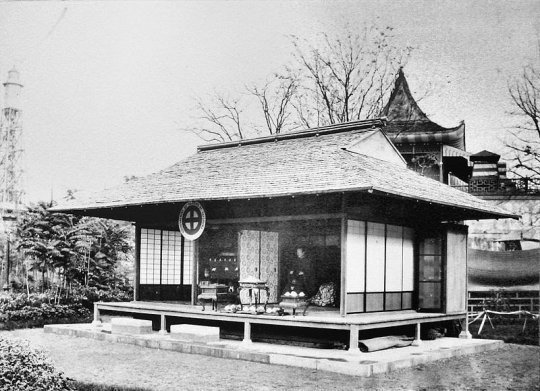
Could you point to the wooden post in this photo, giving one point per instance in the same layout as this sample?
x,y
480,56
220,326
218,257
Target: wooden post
x,y
137,280
482,324
96,322
195,272
417,341
247,332
490,322
343,274
465,333
163,328
441,168
353,339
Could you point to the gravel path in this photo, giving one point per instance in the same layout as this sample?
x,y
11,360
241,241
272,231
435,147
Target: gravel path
x,y
512,367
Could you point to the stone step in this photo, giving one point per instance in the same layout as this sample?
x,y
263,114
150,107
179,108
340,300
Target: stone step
x,y
194,333
130,326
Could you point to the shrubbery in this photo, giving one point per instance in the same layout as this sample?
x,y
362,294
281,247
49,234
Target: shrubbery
x,y
41,308
23,368
87,296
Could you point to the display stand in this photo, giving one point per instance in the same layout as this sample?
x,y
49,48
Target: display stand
x,y
253,286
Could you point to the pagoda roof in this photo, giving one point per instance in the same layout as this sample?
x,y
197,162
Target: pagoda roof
x,y
408,124
485,156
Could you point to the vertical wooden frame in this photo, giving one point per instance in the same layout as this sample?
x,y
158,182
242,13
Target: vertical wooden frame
x,y
444,269
441,165
137,279
161,264
384,273
343,288
182,260
365,263
195,272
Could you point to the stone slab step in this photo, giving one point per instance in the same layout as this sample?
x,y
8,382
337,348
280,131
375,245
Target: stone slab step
x,y
195,333
130,326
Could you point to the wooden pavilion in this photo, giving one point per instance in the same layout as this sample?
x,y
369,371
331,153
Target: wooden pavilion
x,y
390,241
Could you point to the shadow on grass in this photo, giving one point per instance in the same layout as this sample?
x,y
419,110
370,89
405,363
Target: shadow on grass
x,y
79,386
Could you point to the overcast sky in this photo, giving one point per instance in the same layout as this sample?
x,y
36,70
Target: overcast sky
x,y
108,84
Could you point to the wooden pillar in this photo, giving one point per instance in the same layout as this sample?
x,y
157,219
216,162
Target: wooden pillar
x,y
343,272
247,332
96,322
195,272
163,328
465,334
137,280
417,341
441,168
353,339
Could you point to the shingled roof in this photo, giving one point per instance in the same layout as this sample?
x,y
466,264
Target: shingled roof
x,y
408,124
311,162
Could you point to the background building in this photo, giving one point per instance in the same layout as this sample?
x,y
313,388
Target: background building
x,y
440,153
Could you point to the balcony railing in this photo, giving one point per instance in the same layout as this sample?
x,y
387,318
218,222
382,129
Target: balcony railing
x,y
514,186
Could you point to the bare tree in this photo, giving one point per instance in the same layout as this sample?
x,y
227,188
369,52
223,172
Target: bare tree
x,y
220,119
336,80
274,98
525,142
346,79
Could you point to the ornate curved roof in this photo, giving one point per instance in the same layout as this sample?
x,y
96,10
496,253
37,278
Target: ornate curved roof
x,y
408,124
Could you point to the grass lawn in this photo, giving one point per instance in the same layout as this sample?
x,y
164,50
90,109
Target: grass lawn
x,y
510,330
99,365
79,386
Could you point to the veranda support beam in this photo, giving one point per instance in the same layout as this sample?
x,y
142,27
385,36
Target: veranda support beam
x,y
417,341
97,321
353,339
247,333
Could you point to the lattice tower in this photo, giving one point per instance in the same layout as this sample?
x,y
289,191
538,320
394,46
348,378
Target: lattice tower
x,y
10,147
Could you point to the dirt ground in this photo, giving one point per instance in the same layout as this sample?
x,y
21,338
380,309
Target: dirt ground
x,y
512,367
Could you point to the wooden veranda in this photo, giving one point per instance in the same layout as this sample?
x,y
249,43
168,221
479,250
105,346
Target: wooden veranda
x,y
353,323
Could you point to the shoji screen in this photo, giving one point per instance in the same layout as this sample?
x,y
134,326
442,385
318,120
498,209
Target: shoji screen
x,y
379,267
408,268
394,267
375,257
161,258
150,256
356,265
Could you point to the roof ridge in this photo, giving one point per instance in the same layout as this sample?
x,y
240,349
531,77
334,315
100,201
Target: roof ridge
x,y
322,130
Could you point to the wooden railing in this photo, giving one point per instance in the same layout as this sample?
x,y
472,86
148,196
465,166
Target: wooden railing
x,y
506,304
515,186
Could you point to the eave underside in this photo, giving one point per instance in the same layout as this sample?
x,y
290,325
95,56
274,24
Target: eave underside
x,y
377,206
